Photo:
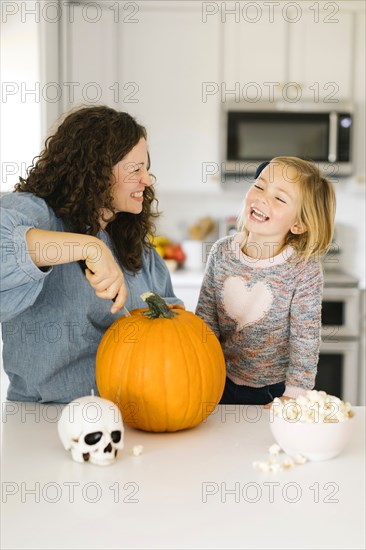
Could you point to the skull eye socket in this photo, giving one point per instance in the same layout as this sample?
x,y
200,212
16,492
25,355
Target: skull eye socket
x,y
116,436
93,438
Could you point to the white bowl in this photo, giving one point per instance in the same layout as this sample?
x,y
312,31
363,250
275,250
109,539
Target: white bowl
x,y
313,440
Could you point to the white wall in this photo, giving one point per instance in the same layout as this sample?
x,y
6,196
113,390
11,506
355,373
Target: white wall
x,y
20,105
20,110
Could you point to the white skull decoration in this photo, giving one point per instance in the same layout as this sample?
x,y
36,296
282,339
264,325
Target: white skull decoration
x,y
92,429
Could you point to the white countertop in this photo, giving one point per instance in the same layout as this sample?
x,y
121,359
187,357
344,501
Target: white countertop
x,y
185,277
332,277
191,489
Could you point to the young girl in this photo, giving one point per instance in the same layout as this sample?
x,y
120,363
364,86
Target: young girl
x,y
74,237
262,289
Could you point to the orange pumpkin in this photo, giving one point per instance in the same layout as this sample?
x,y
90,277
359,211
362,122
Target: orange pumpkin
x,y
162,366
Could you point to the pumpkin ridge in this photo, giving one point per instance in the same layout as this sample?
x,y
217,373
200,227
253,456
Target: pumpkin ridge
x,y
117,397
161,403
141,383
166,404
210,372
203,377
151,412
192,337
128,371
187,406
219,387
111,368
138,359
203,385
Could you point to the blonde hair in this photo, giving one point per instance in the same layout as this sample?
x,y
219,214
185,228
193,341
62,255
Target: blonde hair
x,y
316,210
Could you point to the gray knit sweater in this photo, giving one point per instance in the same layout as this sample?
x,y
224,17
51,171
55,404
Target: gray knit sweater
x,y
266,314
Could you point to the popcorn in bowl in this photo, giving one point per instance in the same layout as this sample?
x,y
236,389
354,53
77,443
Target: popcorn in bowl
x,y
316,425
315,406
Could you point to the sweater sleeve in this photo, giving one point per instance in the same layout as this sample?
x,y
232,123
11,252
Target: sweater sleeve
x,y
207,306
305,330
21,281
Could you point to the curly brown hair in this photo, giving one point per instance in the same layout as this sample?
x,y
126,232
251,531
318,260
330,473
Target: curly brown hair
x,y
73,174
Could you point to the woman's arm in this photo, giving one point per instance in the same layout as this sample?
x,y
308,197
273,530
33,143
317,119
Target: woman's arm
x,y
48,248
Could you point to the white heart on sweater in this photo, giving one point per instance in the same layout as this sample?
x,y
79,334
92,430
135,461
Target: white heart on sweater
x,y
246,305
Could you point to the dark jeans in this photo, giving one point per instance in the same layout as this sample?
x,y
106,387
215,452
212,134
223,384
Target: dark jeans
x,y
245,395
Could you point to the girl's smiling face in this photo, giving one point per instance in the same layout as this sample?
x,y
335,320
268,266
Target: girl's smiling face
x,y
131,177
272,204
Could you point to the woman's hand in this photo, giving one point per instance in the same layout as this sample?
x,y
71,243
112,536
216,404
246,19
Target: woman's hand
x,y
105,275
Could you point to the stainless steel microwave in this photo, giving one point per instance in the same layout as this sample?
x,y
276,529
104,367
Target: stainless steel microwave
x,y
255,132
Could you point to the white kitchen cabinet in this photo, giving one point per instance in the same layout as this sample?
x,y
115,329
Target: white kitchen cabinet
x,y
89,55
254,54
267,51
171,58
160,62
320,54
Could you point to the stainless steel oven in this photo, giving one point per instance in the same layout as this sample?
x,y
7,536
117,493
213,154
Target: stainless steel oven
x,y
338,367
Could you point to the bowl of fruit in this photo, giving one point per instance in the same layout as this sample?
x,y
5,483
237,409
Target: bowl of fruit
x,y
171,252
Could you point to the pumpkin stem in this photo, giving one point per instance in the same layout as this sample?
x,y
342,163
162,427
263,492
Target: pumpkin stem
x,y
157,306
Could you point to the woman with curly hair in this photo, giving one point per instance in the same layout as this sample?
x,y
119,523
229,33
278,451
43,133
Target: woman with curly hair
x,y
74,237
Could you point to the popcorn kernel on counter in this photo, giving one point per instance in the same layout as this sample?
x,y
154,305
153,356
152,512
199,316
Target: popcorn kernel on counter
x,y
274,449
137,450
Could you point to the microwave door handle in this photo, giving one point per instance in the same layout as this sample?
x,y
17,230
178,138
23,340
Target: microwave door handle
x,y
333,130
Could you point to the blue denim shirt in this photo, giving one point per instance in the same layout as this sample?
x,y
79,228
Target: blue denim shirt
x,y
52,321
